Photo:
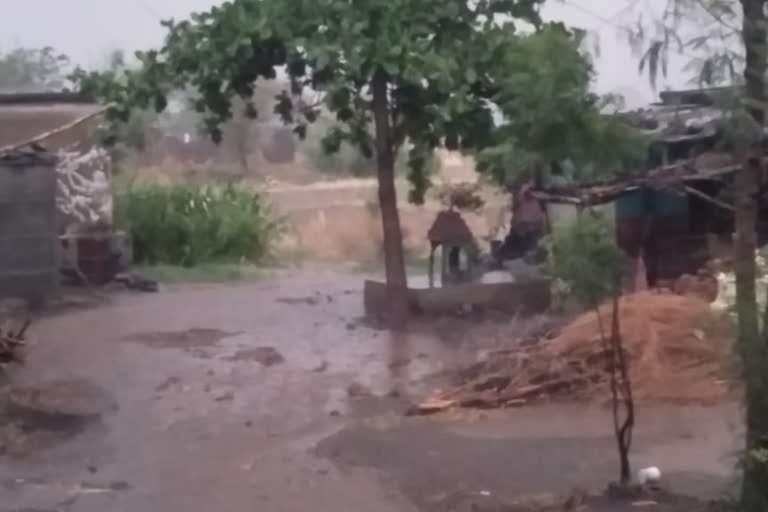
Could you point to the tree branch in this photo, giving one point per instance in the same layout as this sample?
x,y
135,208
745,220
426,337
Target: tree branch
x,y
707,197
718,18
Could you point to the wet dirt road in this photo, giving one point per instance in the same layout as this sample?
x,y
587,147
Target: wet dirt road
x,y
274,396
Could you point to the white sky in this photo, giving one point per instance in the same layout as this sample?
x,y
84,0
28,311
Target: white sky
x,y
87,30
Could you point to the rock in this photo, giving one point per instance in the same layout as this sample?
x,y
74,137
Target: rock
x,y
120,486
226,396
321,368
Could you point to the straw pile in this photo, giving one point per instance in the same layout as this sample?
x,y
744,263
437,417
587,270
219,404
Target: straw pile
x,y
674,350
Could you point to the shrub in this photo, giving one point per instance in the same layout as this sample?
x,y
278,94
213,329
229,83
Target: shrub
x,y
192,223
585,261
585,257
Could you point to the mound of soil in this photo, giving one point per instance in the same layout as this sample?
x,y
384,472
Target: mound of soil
x,y
675,349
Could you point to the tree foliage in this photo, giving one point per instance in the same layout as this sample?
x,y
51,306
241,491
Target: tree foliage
x,y
33,70
706,32
433,57
551,118
743,48
414,70
413,74
585,257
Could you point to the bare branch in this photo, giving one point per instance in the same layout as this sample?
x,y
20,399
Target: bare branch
x,y
717,17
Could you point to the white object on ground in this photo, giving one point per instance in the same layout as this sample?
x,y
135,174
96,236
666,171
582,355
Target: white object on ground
x,y
648,475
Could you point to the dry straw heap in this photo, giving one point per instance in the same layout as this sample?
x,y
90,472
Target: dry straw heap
x,y
677,352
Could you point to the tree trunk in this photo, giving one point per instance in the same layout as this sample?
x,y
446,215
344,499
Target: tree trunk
x,y
754,491
622,400
623,385
394,261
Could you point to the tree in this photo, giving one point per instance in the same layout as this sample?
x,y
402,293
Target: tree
x,y
136,132
552,121
242,131
415,70
717,65
585,257
33,70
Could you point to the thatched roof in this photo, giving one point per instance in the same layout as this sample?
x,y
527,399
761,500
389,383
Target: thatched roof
x,y
706,167
450,228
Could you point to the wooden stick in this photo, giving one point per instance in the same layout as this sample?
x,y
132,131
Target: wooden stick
x,y
709,198
51,133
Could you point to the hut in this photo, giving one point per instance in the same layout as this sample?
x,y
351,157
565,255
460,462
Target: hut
x,y
27,115
451,233
28,265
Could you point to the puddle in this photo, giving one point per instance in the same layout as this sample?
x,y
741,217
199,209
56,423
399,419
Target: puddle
x,y
294,301
190,338
35,418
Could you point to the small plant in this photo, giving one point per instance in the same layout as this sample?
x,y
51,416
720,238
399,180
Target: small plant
x,y
191,223
584,257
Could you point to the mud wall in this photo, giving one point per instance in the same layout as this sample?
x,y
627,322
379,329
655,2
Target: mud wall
x,y
28,261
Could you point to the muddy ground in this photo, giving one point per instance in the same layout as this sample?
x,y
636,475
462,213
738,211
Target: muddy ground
x,y
275,396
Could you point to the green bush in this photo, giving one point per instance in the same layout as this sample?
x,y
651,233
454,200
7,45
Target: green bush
x,y
585,261
192,223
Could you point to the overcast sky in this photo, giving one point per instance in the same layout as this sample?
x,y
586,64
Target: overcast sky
x,y
87,30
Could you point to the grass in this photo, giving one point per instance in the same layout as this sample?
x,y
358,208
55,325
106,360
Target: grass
x,y
196,224
208,273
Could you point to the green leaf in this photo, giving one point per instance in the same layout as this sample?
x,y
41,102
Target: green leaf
x,y
301,131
